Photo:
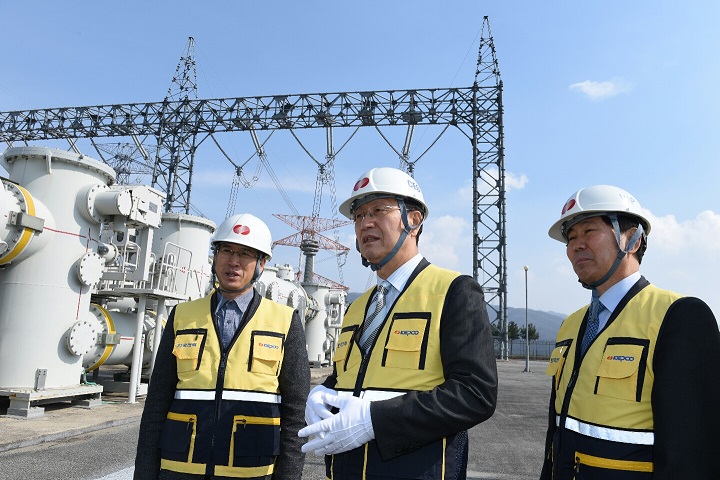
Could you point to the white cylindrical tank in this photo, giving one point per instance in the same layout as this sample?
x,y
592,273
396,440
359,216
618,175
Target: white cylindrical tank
x,y
45,293
276,284
181,250
324,320
24,218
113,334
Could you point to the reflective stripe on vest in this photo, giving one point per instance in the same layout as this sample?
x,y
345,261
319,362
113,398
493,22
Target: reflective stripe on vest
x,y
196,438
373,395
228,395
607,433
406,357
611,398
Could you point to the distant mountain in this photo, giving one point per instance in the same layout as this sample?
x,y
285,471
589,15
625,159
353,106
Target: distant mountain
x,y
546,323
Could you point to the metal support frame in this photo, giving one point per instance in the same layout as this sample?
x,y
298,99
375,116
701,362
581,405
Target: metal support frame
x,y
181,126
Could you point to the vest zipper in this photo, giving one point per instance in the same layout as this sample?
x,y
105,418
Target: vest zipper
x,y
361,373
218,403
563,415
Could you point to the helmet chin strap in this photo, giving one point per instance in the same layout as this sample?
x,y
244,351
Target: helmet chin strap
x,y
256,275
621,251
408,228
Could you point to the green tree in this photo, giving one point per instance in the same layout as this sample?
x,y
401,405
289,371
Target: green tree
x,y
534,335
513,331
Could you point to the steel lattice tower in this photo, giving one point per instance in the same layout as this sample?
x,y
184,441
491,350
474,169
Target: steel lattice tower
x,y
181,122
176,135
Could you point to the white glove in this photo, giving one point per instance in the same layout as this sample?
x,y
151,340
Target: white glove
x,y
315,408
348,429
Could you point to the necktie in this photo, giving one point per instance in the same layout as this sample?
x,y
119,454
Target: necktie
x,y
371,325
593,321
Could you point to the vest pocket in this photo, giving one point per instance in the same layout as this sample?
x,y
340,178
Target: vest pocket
x,y
406,344
177,437
619,373
343,344
265,353
590,466
188,348
557,361
255,441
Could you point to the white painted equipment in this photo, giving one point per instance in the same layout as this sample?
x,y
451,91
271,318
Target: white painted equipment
x,y
181,247
323,323
88,271
50,262
65,230
321,309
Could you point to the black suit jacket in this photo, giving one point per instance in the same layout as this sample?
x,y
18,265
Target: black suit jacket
x,y
467,396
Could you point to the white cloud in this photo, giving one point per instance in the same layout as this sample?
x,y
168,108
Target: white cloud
x,y
598,91
489,176
698,235
515,182
445,242
684,255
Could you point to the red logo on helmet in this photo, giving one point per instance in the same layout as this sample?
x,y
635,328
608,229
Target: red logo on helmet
x,y
241,229
361,183
569,205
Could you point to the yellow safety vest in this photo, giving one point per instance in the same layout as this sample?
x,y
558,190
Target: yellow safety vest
x,y
607,395
405,357
225,419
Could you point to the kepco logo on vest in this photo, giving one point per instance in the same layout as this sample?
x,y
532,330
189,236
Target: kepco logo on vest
x,y
186,345
621,358
268,345
406,332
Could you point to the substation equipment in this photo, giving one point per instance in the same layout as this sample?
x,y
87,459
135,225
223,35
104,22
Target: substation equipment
x,y
88,268
88,272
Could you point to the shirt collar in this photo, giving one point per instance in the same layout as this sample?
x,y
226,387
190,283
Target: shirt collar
x,y
612,297
399,278
241,301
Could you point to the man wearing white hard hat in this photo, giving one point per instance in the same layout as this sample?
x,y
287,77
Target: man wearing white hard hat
x,y
227,394
635,382
414,367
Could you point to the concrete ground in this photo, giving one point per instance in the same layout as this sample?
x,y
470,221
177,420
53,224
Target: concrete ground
x,y
509,446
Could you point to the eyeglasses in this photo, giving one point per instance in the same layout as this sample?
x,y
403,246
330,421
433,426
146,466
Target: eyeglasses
x,y
377,212
226,253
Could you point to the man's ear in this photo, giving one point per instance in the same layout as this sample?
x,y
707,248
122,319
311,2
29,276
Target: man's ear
x,y
414,218
629,235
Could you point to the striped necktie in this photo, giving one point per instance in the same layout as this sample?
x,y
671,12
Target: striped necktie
x,y
372,322
593,321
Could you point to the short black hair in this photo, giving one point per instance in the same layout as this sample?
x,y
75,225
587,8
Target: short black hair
x,y
626,222
412,205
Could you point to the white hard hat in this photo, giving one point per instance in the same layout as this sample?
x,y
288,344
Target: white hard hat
x,y
245,229
594,201
381,183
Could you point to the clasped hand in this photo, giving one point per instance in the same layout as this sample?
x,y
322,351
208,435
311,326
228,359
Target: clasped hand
x,y
343,431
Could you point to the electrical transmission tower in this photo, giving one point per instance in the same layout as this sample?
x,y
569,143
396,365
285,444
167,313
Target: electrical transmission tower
x,y
176,134
181,123
130,162
310,241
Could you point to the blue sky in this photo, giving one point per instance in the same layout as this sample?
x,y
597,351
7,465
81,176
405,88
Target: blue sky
x,y
621,93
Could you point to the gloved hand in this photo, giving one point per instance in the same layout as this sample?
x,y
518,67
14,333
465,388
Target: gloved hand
x,y
348,429
315,408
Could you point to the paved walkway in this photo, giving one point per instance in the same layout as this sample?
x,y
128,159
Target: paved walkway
x,y
509,446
